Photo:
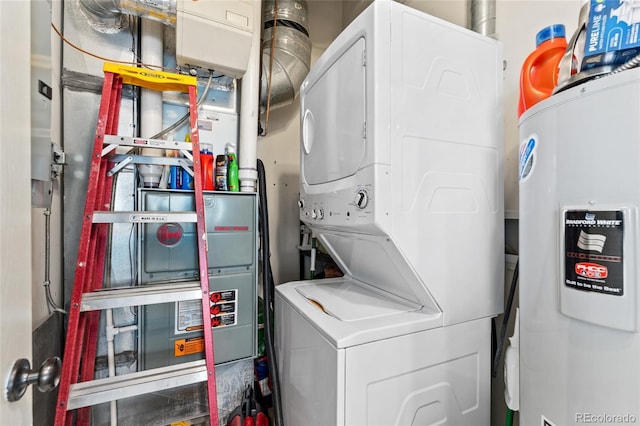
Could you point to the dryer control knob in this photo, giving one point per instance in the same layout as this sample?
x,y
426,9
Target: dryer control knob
x,y
362,199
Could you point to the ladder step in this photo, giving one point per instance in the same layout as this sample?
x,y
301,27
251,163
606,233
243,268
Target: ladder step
x,y
151,79
140,295
140,383
144,159
146,143
123,160
142,217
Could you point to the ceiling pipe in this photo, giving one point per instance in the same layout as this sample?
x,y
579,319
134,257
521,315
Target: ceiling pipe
x,y
249,115
286,34
151,102
111,15
482,14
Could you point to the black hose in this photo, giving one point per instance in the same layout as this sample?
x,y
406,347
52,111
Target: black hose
x,y
505,321
268,294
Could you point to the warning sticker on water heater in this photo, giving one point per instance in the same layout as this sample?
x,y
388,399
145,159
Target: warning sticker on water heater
x,y
593,255
527,157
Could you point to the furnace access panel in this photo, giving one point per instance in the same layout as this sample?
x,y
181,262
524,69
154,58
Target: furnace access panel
x,y
171,333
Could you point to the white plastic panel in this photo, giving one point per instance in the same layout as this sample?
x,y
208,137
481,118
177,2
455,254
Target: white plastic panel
x,y
435,377
377,262
311,370
333,119
215,34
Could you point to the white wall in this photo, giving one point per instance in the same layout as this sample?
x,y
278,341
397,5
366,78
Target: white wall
x,y
517,23
41,69
280,153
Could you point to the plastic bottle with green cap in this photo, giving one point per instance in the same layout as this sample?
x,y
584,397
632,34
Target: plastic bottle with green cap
x,y
232,176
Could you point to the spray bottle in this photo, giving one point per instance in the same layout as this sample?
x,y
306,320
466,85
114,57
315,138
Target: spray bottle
x,y
187,179
232,175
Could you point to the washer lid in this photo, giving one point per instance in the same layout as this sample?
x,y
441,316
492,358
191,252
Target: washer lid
x,y
348,300
348,312
377,261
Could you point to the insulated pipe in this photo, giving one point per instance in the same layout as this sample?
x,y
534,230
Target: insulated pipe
x,y
110,15
287,36
151,100
111,332
249,113
483,17
111,360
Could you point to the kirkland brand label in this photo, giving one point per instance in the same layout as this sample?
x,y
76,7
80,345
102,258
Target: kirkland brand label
x,y
593,251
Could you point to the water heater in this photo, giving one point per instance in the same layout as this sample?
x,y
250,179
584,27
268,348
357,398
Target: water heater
x,y
579,298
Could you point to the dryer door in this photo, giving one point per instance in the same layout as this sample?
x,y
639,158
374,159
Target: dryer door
x,y
333,119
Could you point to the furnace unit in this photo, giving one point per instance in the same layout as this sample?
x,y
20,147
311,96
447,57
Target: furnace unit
x,y
171,333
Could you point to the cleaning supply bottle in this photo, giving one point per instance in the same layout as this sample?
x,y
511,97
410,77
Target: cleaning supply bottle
x,y
222,168
175,176
539,74
187,179
206,159
232,175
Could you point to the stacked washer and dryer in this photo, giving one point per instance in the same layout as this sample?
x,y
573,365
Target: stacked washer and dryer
x,y
402,183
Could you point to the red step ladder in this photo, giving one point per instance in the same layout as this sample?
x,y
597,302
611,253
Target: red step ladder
x,y
78,390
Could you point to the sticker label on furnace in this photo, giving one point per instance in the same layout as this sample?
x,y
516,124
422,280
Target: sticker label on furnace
x,y
593,251
223,308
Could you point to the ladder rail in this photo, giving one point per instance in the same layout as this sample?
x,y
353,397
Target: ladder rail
x,y
202,256
75,324
98,259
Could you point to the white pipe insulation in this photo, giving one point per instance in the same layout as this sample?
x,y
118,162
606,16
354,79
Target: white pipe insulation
x,y
249,114
151,101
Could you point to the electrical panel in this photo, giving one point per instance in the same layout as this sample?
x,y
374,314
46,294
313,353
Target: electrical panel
x,y
216,35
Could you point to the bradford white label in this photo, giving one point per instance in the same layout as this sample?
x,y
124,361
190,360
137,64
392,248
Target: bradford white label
x,y
593,251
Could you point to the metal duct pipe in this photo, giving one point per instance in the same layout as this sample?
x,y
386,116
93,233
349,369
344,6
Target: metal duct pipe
x,y
286,52
110,15
483,17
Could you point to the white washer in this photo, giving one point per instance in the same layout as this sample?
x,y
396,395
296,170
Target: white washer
x,y
401,182
377,361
